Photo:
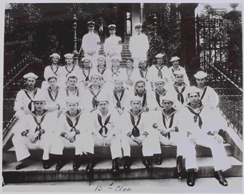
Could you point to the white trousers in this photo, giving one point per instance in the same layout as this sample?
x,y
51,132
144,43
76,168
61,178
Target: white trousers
x,y
221,161
22,145
81,144
115,146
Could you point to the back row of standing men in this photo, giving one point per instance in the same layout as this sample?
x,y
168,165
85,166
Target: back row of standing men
x,y
102,104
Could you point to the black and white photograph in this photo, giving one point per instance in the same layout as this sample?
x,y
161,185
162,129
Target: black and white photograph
x,y
122,96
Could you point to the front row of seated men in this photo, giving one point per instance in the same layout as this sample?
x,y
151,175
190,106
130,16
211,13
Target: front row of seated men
x,y
52,131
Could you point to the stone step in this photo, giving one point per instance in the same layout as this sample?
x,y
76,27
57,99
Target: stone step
x,y
136,151
102,171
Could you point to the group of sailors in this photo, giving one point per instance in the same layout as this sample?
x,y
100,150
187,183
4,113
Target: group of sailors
x,y
102,104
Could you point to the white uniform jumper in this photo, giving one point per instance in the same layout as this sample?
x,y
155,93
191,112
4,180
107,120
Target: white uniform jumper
x,y
48,72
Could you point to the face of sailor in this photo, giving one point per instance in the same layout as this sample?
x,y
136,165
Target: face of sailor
x,y
175,64
39,105
140,87
69,60
91,28
138,29
30,82
194,98
103,105
112,31
135,105
167,104
55,60
52,82
129,64
101,63
179,78
87,63
95,80
72,82
160,61
118,85
143,65
115,64
159,85
201,82
72,107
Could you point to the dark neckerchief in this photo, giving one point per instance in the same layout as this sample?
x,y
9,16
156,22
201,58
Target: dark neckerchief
x,y
127,72
54,72
50,93
171,116
115,73
103,130
102,70
160,74
157,96
173,70
118,103
38,123
94,99
135,130
141,72
179,93
30,106
144,95
86,76
203,93
196,115
76,90
69,121
68,70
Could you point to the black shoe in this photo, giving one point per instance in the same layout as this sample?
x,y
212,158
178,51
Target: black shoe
x,y
46,164
26,162
219,176
90,166
147,162
76,162
115,166
158,160
60,164
191,179
127,163
179,162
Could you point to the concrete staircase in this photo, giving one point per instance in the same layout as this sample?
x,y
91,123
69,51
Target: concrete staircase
x,y
102,170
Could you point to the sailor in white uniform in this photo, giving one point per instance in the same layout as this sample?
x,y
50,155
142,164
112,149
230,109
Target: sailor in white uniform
x,y
158,70
71,132
176,67
85,72
35,131
139,44
91,43
104,127
201,127
112,45
53,69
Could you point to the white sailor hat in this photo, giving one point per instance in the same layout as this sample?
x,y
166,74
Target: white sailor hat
x,y
143,59
138,25
135,98
55,55
69,55
159,55
130,59
200,75
30,75
90,23
179,72
103,98
39,98
168,97
175,58
112,26
115,58
101,57
118,79
72,99
160,80
95,74
86,58
193,89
